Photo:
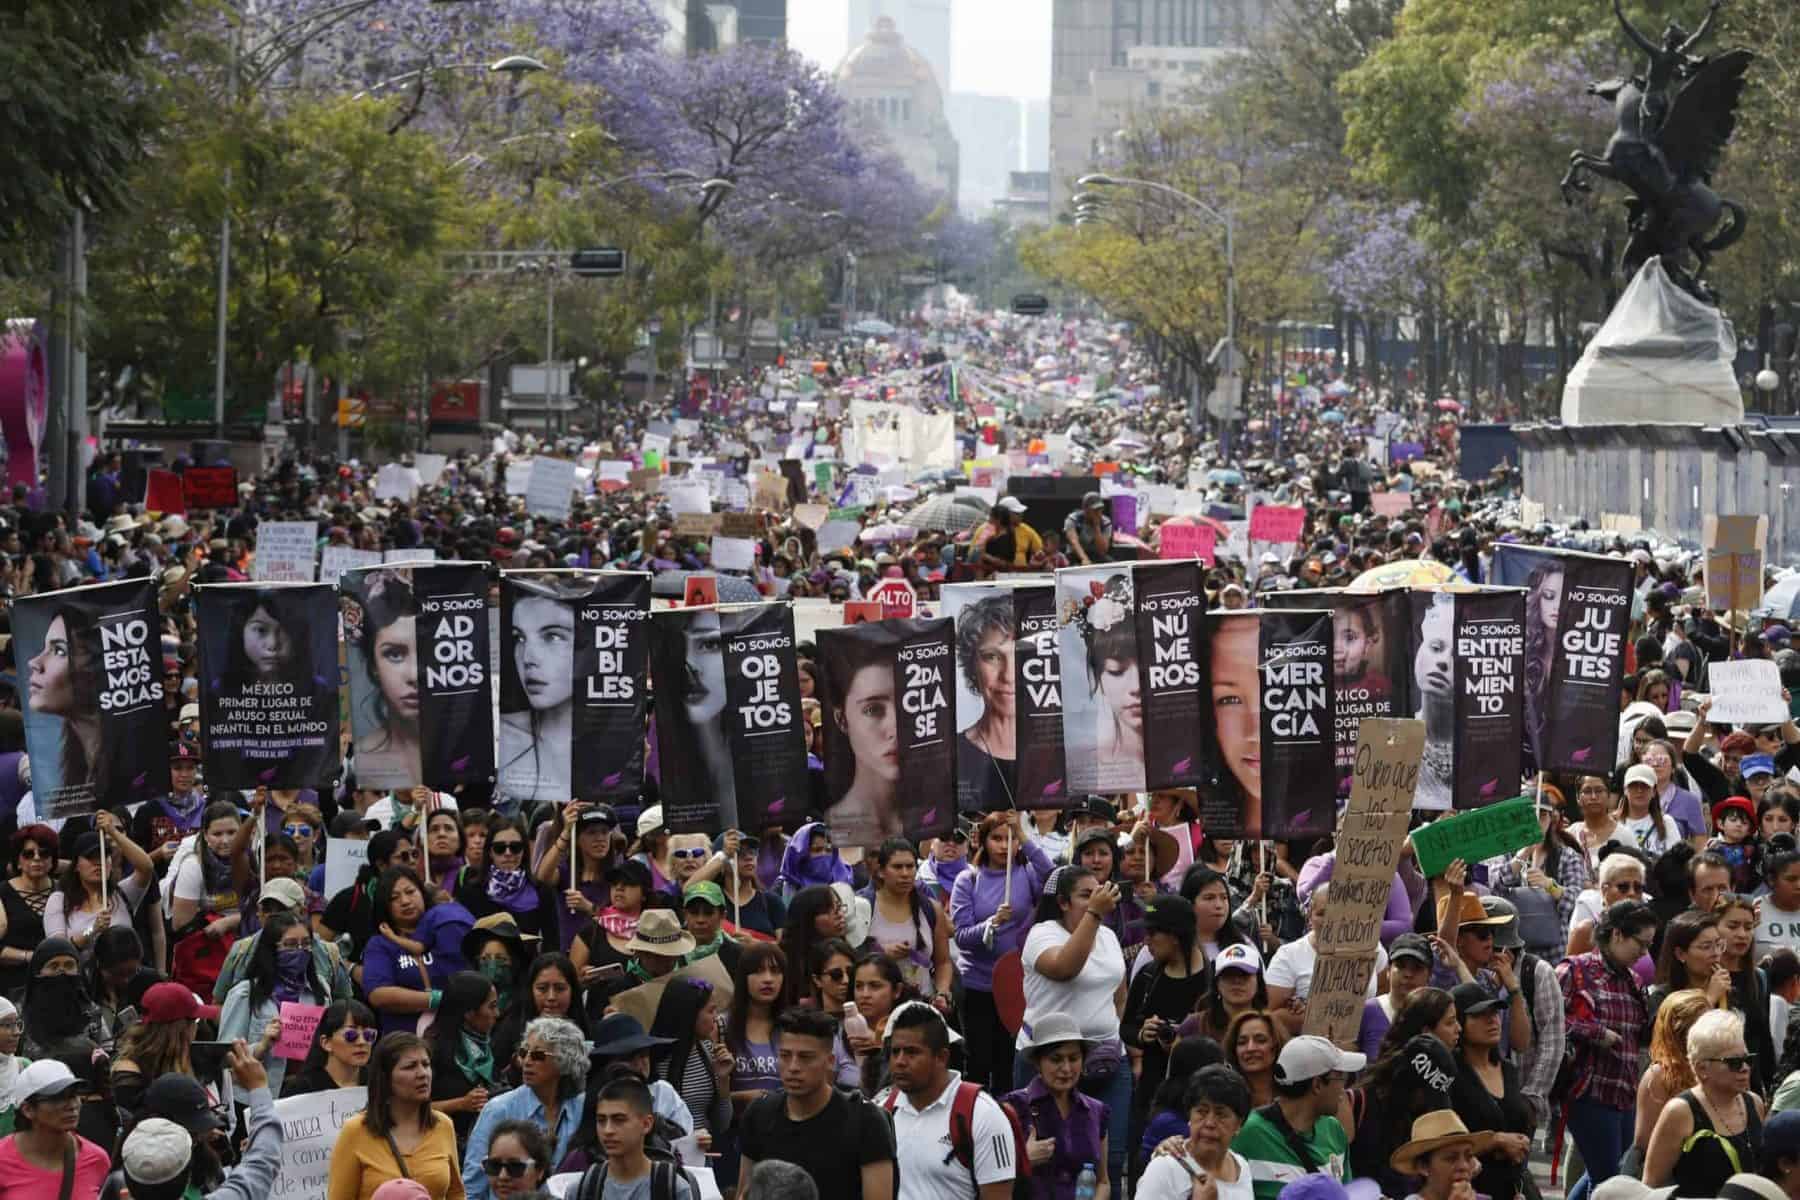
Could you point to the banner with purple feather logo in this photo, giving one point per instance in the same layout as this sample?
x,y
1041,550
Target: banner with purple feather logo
x,y
1467,686
1038,702
96,721
269,684
1171,607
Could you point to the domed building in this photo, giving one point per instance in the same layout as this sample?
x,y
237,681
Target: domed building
x,y
894,95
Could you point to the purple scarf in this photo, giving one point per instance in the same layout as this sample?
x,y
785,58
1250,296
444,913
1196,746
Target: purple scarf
x,y
511,891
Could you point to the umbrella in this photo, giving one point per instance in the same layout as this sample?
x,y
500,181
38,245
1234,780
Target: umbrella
x,y
1225,477
947,514
1337,387
1781,602
1407,573
1045,362
887,533
733,589
873,328
1332,416
1448,405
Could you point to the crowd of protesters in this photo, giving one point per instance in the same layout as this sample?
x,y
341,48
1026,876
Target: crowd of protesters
x,y
543,989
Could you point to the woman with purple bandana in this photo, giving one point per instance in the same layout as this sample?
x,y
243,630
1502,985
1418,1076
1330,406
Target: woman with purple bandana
x,y
811,858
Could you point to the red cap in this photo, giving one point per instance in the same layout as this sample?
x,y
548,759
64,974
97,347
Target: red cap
x,y
1738,804
165,1002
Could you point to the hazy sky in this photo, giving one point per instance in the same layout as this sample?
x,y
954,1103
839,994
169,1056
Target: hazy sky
x,y
997,47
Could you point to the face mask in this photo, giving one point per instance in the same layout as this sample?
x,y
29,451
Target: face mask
x,y
61,1003
497,973
293,962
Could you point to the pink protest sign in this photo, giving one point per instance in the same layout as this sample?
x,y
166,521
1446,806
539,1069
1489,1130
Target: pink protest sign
x,y
1272,523
299,1025
1187,541
1390,504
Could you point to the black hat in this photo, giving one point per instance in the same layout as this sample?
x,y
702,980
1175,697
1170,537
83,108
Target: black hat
x,y
631,871
1472,1000
1411,945
87,845
599,814
1094,806
622,1034
181,1099
1088,837
1169,914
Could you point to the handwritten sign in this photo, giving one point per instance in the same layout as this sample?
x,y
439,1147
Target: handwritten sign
x,y
299,1025
811,515
645,480
1281,524
1368,848
550,490
733,554
285,551
1747,692
771,491
344,857
309,1129
209,487
335,560
1187,541
740,525
691,524
1734,561
1477,835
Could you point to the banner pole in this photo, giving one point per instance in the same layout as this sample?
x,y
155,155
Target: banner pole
x,y
424,846
104,902
1262,865
575,857
262,860
737,905
1006,898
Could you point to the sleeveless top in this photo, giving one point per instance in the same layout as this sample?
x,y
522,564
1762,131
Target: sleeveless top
x,y
24,930
1705,1163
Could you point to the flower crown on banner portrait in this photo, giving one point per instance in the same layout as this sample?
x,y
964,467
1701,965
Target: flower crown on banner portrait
x,y
1105,605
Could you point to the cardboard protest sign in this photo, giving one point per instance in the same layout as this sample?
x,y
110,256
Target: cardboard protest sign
x,y
771,491
1475,836
740,525
1734,561
299,1022
811,515
646,479
692,524
209,487
310,1126
1746,692
285,551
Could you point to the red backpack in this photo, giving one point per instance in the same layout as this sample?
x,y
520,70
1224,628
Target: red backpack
x,y
962,1135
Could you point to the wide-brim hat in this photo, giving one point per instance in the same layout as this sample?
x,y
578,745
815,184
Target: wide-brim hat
x,y
622,1034
1164,852
502,928
1053,1029
1433,1131
659,931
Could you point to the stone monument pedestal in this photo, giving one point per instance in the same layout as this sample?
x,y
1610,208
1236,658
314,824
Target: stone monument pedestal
x,y
1661,357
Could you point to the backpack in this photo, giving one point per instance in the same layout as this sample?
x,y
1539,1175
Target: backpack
x,y
592,1184
962,1136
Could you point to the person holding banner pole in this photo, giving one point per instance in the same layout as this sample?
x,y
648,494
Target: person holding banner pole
x,y
985,927
82,907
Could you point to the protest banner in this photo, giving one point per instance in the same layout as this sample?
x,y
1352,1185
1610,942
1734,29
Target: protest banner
x,y
1489,668
1037,698
1577,616
209,487
573,692
1279,524
1125,514
1186,541
687,495
163,492
729,732
1368,850
421,700
740,525
770,492
890,754
335,560
299,1022
344,859
96,726
1390,504
1170,615
310,1126
811,515
733,554
987,687
1476,836
1734,548
1102,705
646,479
1746,692
269,684
410,554
550,491
696,524
285,551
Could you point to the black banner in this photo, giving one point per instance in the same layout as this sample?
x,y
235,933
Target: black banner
x,y
1171,609
1039,699
573,694
268,684
96,720
890,758
1577,617
1467,686
1371,639
729,737
987,690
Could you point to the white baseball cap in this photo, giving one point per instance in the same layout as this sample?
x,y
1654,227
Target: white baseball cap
x,y
157,1151
1310,1056
46,1077
1241,956
1641,773
1011,504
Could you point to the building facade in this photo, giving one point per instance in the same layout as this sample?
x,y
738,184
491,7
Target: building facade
x,y
894,97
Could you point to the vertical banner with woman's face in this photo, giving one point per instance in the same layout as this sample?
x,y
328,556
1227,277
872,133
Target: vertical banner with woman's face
x,y
269,684
729,734
1467,686
1038,699
1171,611
890,758
1370,636
421,700
1102,693
96,718
987,690
572,684
1577,616
1270,726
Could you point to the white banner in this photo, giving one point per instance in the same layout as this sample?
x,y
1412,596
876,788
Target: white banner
x,y
518,477
1747,692
551,489
285,552
335,560
309,1129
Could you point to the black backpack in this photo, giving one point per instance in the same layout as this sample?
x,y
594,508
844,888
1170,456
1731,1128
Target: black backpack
x,y
663,1173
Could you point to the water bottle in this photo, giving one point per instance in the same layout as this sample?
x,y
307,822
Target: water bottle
x,y
855,1024
1086,1182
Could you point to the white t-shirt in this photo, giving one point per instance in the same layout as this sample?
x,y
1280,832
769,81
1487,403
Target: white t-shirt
x,y
1588,907
920,1138
1166,1179
1777,928
1292,967
1646,836
124,901
1778,1019
1089,996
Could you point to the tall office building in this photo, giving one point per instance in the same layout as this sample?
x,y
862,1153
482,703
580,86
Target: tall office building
x,y
762,20
925,24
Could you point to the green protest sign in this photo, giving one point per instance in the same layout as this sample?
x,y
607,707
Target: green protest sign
x,y
1480,834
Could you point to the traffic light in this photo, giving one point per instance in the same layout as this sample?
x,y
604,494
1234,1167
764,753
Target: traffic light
x,y
1029,305
604,261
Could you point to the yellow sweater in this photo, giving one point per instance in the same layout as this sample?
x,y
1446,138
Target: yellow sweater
x,y
362,1161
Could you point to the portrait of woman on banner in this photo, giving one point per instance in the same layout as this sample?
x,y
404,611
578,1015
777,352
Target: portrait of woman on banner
x,y
63,684
986,749
688,667
1232,669
537,686
1359,651
1106,620
862,761
1434,686
271,646
381,629
1543,607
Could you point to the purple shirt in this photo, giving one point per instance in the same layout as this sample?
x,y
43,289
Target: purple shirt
x,y
1683,807
976,896
1077,1139
387,965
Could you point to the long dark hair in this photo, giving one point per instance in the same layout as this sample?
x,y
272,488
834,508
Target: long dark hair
x,y
464,992
384,892
387,597
676,1013
798,937
1211,1005
1680,934
1423,1009
337,1015
849,657
263,972
287,608
381,851
562,591
754,958
378,1117
86,684
1063,880
886,851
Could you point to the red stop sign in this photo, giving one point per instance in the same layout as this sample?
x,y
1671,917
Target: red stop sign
x,y
896,597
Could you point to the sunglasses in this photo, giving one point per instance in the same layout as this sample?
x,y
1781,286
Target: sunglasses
x,y
837,974
32,852
297,831
691,852
536,1055
512,1168
1733,1062
353,1035
506,847
1629,886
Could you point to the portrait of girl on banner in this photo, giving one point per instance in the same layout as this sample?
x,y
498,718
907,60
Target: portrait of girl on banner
x,y
381,631
1103,710
268,656
537,683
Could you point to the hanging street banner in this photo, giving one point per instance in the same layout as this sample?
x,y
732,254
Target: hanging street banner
x,y
573,684
268,684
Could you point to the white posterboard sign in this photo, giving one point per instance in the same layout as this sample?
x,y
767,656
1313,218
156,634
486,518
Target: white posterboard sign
x,y
285,552
551,489
335,560
395,481
430,467
416,554
687,495
310,1126
1746,692
344,857
518,478
733,554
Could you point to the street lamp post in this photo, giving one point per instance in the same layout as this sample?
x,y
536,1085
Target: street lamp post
x,y
1225,219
